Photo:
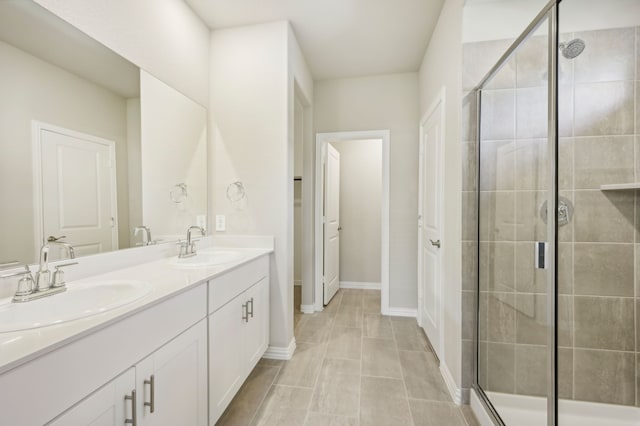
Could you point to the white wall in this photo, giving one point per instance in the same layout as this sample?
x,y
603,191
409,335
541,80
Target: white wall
x,y
506,19
378,103
36,90
251,111
173,152
164,37
441,67
360,210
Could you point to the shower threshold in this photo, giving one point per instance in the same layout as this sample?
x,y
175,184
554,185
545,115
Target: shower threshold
x,y
522,410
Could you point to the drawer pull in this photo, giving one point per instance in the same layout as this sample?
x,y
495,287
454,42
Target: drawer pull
x,y
251,311
245,312
133,419
152,385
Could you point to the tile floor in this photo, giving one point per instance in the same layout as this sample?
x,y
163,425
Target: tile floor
x,y
352,366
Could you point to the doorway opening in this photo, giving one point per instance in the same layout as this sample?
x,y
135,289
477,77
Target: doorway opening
x,y
352,214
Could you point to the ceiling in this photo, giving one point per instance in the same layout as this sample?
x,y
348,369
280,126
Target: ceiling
x,y
340,38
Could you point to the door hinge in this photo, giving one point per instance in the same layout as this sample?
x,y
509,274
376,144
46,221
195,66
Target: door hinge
x,y
113,222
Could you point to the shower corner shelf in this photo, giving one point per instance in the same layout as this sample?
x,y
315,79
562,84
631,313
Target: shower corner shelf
x,y
620,186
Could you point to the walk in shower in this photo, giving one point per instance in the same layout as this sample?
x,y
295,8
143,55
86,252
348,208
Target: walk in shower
x,y
557,338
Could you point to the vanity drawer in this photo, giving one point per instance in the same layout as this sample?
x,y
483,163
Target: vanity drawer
x,y
225,287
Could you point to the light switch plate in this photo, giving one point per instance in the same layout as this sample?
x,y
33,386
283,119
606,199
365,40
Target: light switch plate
x,y
201,221
221,223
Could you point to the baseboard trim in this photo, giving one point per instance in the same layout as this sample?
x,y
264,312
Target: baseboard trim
x,y
360,285
456,393
307,309
402,312
281,352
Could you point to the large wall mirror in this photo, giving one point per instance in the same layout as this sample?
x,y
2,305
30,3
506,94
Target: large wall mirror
x,y
91,147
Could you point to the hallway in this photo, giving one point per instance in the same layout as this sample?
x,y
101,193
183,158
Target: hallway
x,y
352,366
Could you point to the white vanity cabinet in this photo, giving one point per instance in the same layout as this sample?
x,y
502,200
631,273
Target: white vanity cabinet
x,y
238,330
105,407
172,381
65,381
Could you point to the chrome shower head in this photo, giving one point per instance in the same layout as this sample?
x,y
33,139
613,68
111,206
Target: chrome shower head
x,y
572,48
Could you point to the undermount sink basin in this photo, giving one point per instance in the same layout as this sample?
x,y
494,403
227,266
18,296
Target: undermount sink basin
x,y
77,302
206,257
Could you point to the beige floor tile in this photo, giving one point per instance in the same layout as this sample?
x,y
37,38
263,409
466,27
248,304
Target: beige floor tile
x,y
338,388
345,342
380,358
248,399
422,376
378,326
431,413
303,368
318,419
372,304
349,316
284,405
314,329
352,299
265,362
408,335
322,384
383,402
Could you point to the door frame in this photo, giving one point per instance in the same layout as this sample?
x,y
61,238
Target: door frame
x,y
38,214
322,139
438,102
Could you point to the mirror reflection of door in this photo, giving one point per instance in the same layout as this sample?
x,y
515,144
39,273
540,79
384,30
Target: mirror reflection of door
x,y
78,196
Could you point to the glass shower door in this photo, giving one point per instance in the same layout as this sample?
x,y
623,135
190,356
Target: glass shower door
x,y
514,189
598,282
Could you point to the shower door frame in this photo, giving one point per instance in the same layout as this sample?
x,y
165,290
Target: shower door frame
x,y
550,13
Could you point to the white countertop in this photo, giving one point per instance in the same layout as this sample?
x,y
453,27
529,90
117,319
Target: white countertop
x,y
166,281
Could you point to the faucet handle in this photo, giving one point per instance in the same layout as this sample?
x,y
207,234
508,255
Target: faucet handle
x,y
25,284
58,274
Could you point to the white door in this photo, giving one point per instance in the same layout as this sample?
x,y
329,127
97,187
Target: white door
x,y
430,223
78,190
331,224
105,407
173,381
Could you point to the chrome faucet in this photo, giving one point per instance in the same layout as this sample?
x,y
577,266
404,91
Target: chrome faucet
x,y
45,283
147,241
188,248
44,280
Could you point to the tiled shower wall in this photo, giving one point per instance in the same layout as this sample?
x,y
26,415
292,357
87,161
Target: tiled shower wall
x,y
599,301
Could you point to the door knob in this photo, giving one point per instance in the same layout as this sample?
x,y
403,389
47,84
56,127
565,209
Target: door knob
x,y
435,243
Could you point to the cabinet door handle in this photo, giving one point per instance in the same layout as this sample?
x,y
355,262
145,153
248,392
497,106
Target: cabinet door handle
x,y
152,401
251,311
245,312
134,418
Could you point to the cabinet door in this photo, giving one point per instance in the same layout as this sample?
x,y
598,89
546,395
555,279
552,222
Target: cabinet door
x,y
226,356
174,380
105,407
256,339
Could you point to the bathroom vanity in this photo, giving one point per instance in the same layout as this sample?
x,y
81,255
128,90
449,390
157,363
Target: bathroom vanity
x,y
175,356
